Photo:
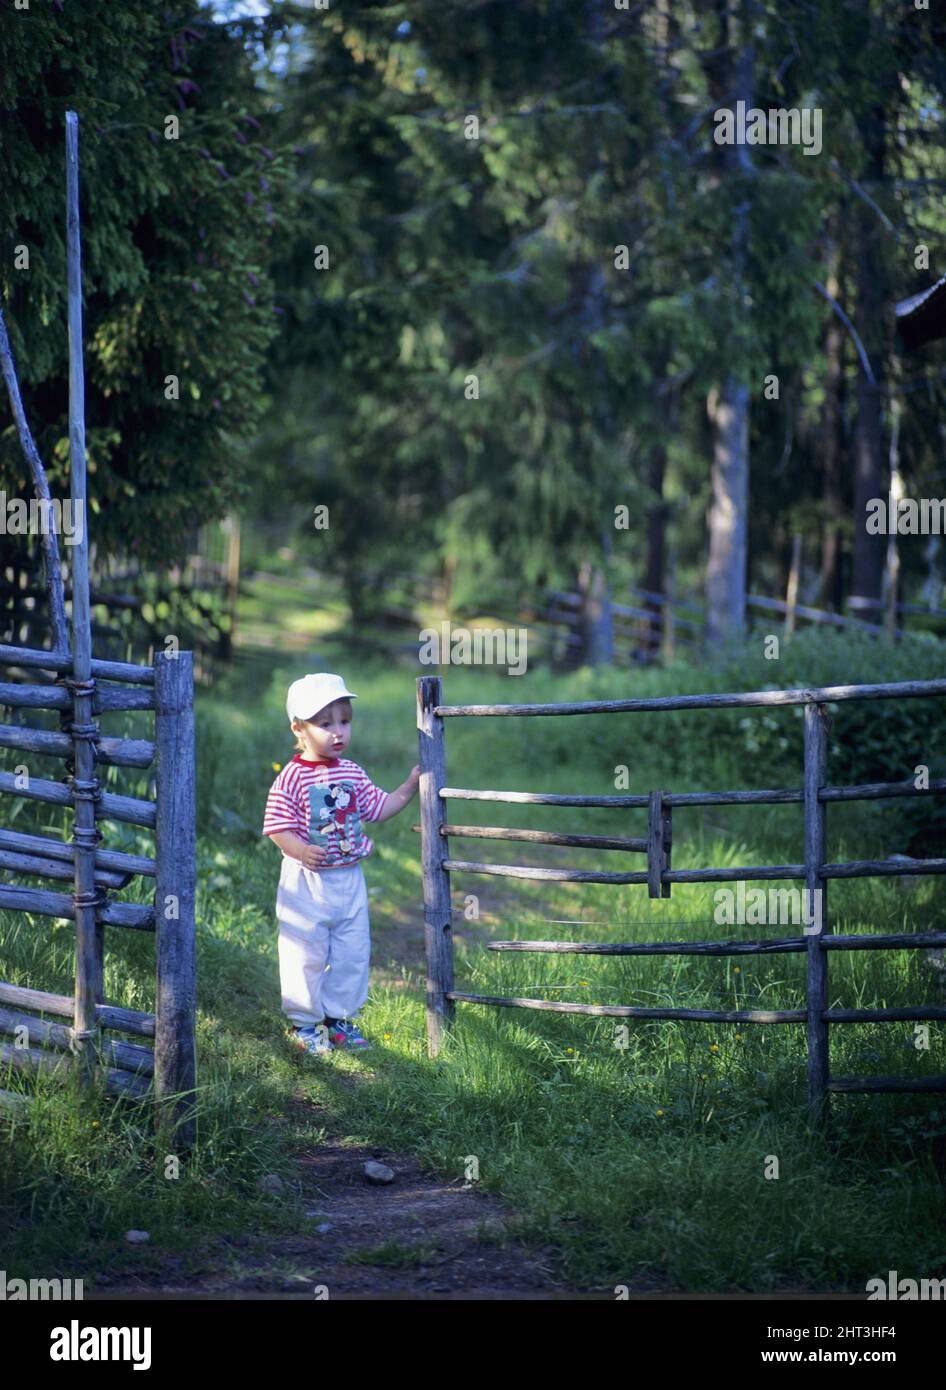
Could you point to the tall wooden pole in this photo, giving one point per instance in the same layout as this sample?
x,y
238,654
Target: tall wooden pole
x,y
175,1066
656,847
438,924
84,730
816,885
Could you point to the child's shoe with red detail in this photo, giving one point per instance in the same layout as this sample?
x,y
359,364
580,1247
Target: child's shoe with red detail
x,y
313,1038
344,1033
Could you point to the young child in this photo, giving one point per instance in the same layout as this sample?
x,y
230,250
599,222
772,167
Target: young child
x,y
314,813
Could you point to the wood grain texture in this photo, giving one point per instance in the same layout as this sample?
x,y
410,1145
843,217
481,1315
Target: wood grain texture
x,y
816,979
60,849
46,904
632,1010
128,809
118,1081
40,867
175,887
438,922
543,837
58,1038
118,752
915,941
829,694
22,695
61,1006
55,661
656,853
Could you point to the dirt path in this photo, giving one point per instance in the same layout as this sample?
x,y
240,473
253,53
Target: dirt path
x,y
416,1237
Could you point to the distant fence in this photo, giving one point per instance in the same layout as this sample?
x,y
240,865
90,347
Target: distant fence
x,y
134,608
653,626
664,625
813,796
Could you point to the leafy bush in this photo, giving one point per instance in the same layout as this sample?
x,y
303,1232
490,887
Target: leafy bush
x,y
868,740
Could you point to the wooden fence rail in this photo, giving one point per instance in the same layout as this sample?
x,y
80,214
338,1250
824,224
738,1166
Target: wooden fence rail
x,y
669,623
167,1071
659,875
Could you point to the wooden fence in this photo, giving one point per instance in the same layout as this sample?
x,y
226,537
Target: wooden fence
x,y
79,687
814,795
135,608
660,625
48,1046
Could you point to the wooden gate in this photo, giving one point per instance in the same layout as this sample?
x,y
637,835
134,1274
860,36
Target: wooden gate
x,y
80,688
813,796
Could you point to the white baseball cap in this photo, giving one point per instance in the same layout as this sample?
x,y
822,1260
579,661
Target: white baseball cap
x,y
312,693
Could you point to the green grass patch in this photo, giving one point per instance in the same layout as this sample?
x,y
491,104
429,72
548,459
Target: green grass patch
x,y
672,1153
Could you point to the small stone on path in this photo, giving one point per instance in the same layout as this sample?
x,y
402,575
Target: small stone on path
x,y
378,1172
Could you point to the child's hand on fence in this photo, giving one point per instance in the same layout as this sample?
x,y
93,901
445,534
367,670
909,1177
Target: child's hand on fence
x,y
414,777
313,857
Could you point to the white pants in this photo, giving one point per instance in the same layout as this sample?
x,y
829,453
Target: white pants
x,y
324,941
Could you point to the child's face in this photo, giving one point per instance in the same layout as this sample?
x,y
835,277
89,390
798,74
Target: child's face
x,y
329,733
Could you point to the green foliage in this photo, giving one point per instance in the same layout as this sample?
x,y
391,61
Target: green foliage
x,y
491,260
619,1161
177,241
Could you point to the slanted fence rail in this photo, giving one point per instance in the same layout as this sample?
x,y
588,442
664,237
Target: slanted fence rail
x,y
815,871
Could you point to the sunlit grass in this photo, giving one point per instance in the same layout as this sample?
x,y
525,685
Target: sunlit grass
x,y
637,1154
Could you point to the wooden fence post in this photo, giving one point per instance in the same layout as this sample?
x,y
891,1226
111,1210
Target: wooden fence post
x,y
438,923
816,914
85,787
658,817
175,1066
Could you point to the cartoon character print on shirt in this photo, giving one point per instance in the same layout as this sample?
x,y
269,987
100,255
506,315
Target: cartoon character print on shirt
x,y
335,811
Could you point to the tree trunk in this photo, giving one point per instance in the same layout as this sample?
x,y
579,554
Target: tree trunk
x,y
654,572
829,589
869,474
595,628
658,515
355,595
726,566
731,78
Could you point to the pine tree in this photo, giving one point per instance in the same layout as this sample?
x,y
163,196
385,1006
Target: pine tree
x,y
181,197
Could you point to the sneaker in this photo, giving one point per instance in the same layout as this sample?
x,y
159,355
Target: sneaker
x,y
344,1033
312,1038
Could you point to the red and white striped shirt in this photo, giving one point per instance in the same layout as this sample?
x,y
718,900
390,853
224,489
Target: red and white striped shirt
x,y
325,803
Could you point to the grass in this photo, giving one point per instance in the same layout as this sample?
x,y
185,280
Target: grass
x,y
666,1153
